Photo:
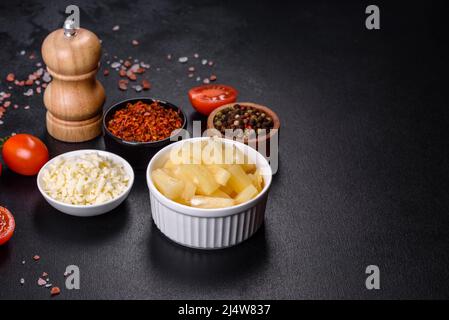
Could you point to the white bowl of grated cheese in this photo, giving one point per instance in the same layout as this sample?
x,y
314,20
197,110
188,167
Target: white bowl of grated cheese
x,y
85,183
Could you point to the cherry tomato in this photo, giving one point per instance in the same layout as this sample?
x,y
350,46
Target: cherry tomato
x,y
209,97
7,225
25,154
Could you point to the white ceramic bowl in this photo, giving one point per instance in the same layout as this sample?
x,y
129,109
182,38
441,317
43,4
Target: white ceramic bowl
x,y
208,228
87,210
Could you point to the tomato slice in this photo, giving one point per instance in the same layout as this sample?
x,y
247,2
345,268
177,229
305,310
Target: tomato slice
x,y
207,98
7,225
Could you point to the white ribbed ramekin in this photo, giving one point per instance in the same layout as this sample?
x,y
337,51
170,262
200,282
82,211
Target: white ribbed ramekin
x,y
208,228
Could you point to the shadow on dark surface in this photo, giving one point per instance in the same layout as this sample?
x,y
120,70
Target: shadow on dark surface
x,y
58,147
5,253
196,116
193,266
57,226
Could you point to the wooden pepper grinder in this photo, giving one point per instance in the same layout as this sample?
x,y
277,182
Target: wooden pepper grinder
x,y
74,99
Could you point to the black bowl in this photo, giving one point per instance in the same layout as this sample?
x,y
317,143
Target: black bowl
x,y
138,154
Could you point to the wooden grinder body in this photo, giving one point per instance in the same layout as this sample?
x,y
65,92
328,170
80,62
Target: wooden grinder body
x,y
74,99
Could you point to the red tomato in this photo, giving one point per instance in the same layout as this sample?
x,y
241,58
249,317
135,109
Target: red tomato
x,y
209,97
25,154
7,225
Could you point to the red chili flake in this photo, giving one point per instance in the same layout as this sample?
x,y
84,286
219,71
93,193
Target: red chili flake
x,y
213,77
6,95
123,84
106,72
135,43
144,122
29,82
127,63
21,83
122,73
10,77
44,85
44,274
139,70
38,90
36,257
131,76
6,104
146,85
55,291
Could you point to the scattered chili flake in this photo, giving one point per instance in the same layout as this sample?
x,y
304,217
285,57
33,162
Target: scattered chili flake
x,y
123,85
127,63
29,82
41,282
146,85
122,73
131,76
55,291
10,77
143,122
213,77
36,257
106,72
135,43
44,274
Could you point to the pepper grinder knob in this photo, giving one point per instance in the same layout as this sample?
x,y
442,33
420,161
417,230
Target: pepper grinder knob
x,y
69,28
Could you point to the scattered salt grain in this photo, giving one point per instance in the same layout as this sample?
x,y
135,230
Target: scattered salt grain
x,y
196,55
204,62
22,281
116,28
183,59
206,81
115,65
46,77
28,93
26,108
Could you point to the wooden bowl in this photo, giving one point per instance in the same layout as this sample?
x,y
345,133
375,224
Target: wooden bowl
x,y
271,113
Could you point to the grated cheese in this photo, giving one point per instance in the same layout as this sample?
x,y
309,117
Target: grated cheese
x,y
85,180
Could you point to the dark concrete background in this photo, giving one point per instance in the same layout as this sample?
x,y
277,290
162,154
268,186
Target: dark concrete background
x,y
363,175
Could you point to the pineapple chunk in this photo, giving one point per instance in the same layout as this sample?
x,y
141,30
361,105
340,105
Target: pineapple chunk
x,y
228,190
247,194
169,165
211,202
203,178
169,186
189,191
221,175
257,180
239,180
220,194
